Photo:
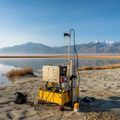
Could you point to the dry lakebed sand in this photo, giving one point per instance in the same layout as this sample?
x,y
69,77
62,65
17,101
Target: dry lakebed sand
x,y
103,85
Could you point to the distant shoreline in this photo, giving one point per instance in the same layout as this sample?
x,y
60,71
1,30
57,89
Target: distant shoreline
x,y
86,57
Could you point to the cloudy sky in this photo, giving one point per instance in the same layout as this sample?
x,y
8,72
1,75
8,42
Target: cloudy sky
x,y
45,21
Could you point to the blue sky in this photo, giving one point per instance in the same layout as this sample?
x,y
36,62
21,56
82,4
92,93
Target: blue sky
x,y
45,21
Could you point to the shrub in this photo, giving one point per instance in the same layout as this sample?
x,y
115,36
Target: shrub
x,y
19,72
85,68
99,67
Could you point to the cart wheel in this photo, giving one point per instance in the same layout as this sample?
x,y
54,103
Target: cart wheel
x,y
61,108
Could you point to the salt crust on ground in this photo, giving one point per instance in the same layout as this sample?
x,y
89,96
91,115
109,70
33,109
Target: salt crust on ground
x,y
104,85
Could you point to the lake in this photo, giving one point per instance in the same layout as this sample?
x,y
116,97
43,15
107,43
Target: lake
x,y
9,63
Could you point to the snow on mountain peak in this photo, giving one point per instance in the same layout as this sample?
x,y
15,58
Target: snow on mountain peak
x,y
106,42
103,41
95,41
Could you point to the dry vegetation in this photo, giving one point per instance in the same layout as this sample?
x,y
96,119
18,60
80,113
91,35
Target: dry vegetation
x,y
99,67
19,72
3,75
86,57
86,68
35,70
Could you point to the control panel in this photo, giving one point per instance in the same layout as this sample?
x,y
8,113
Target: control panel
x,y
54,73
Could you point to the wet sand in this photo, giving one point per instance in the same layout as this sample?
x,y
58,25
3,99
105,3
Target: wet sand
x,y
103,85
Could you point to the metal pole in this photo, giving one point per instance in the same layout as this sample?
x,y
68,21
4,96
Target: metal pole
x,y
69,51
69,56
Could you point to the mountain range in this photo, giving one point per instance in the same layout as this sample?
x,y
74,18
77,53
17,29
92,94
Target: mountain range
x,y
86,48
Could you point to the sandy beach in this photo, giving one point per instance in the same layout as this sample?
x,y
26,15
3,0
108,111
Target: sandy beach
x,y
103,85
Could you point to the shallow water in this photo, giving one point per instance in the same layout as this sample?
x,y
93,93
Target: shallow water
x,y
8,64
3,70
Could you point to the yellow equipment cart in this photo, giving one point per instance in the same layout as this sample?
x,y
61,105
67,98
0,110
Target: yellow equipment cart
x,y
61,83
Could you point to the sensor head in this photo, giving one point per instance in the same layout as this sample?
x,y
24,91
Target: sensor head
x,y
66,35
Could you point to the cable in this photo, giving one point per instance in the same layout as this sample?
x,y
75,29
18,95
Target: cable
x,y
61,116
76,56
64,49
77,64
74,46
